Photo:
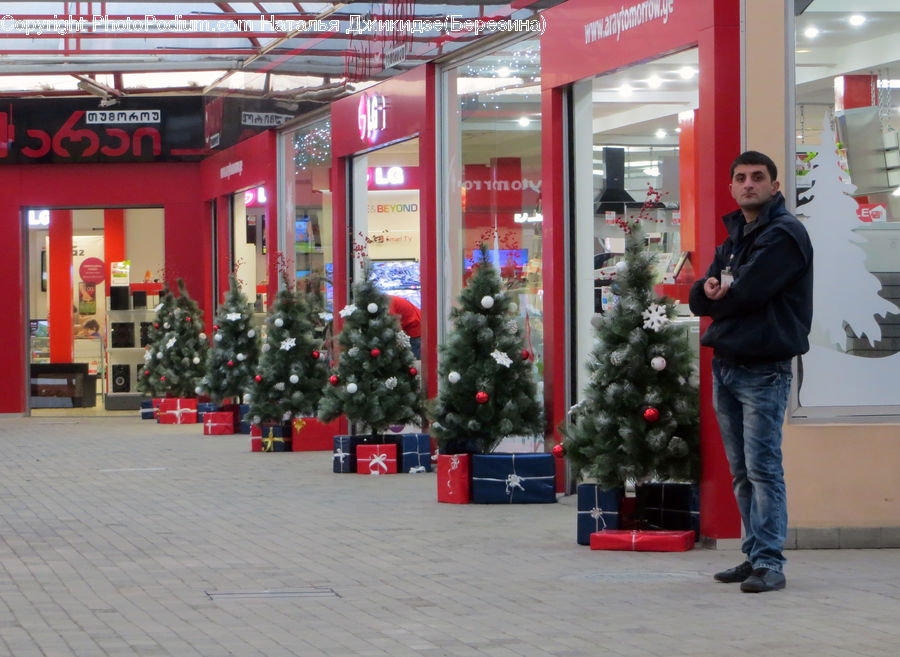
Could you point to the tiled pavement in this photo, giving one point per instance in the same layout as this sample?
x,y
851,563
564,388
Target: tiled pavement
x,y
121,537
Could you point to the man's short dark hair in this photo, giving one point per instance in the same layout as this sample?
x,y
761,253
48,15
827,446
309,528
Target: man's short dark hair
x,y
755,157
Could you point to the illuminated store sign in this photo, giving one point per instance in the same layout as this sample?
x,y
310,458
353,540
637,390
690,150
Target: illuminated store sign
x,y
255,197
392,177
371,116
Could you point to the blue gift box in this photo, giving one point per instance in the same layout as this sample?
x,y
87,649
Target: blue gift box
x,y
513,478
147,410
598,509
244,426
668,505
415,452
205,407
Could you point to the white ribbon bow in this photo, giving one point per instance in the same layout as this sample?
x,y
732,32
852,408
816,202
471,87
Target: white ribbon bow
x,y
340,454
514,481
375,461
417,468
597,513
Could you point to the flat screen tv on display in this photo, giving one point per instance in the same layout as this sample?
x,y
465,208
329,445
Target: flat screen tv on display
x,y
510,262
399,278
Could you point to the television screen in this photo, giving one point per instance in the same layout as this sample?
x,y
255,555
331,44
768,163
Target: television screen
x,y
399,278
510,262
39,328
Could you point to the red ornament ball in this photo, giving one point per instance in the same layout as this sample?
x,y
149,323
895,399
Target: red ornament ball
x,y
187,319
215,327
558,451
155,324
526,354
651,414
481,397
257,378
231,363
316,354
162,378
333,379
146,372
413,371
375,352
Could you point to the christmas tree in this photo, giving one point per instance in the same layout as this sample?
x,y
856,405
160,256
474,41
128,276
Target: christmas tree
x,y
639,419
232,360
488,390
293,367
376,382
148,380
174,360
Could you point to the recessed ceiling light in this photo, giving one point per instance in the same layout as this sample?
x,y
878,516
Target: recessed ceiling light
x,y
503,72
524,121
687,72
625,89
811,32
654,82
661,133
856,20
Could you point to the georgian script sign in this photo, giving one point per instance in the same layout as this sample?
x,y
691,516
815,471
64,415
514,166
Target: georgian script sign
x,y
75,130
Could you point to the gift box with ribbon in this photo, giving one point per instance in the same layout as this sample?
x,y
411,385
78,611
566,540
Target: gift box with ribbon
x,y
513,478
415,452
178,410
270,438
310,435
453,478
642,540
598,509
154,403
206,407
148,410
220,423
667,505
344,456
376,459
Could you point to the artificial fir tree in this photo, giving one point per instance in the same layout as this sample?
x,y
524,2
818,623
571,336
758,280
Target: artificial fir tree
x,y
488,390
148,380
174,361
376,382
232,360
639,419
293,367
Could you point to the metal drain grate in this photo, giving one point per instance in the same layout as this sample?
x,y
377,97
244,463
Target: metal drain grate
x,y
305,592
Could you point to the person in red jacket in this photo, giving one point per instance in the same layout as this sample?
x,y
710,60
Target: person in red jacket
x,y
410,322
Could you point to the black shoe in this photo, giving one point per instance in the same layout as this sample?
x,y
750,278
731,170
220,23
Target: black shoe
x,y
736,574
762,580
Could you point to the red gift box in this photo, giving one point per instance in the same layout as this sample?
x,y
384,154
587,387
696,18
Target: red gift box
x,y
308,434
376,459
178,410
255,443
642,541
218,423
453,478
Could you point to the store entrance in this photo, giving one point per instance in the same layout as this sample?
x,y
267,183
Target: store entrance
x,y
385,218
85,331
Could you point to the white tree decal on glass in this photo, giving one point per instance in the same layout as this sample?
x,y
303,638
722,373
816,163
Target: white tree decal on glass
x,y
845,292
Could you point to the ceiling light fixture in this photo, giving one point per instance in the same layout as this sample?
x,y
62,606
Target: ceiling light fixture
x,y
654,82
687,72
625,89
660,134
503,72
856,20
811,32
524,121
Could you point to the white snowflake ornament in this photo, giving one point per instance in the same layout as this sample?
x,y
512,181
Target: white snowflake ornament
x,y
288,344
279,385
501,358
326,317
171,343
148,356
512,327
233,317
391,383
347,310
655,317
403,339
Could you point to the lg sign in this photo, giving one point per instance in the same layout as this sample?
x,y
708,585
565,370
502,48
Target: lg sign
x,y
371,116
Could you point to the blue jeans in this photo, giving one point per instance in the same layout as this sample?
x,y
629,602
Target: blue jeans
x,y
750,401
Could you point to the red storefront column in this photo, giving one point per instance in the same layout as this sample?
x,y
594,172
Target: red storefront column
x,y
59,275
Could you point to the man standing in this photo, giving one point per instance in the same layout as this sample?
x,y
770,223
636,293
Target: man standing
x,y
758,292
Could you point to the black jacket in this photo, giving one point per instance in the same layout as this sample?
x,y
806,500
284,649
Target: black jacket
x,y
767,311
